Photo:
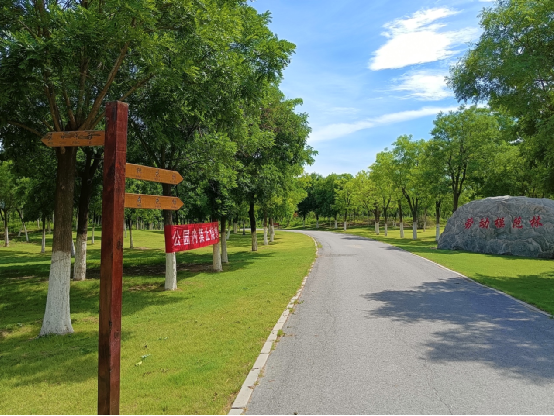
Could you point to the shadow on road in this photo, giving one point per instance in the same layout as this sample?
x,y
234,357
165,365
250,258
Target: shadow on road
x,y
474,324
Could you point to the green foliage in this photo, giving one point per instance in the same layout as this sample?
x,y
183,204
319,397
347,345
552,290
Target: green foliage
x,y
510,67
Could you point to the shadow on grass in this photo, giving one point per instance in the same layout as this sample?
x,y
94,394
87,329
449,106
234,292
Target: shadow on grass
x,y
475,324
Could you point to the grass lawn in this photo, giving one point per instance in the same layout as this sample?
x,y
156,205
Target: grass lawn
x,y
183,352
528,279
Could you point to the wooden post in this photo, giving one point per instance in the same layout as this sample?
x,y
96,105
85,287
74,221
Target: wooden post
x,y
111,266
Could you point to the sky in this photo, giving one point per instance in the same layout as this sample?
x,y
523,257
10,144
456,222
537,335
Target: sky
x,y
369,71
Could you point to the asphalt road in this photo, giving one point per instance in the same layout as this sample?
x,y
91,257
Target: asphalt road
x,y
381,331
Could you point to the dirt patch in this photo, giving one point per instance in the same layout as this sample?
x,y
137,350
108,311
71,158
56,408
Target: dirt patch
x,y
146,287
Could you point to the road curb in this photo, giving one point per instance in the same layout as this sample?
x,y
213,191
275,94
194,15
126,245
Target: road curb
x,y
525,304
245,393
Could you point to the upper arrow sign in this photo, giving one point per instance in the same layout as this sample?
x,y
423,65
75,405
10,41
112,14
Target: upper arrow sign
x,y
75,138
152,174
152,202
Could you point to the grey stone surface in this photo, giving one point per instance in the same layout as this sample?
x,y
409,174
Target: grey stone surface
x,y
517,226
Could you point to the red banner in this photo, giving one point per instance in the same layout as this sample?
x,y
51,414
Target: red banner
x,y
190,236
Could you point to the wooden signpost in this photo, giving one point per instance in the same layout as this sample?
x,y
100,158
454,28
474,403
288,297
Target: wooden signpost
x,y
114,201
152,202
75,138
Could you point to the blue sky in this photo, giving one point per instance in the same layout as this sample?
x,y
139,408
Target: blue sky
x,y
370,70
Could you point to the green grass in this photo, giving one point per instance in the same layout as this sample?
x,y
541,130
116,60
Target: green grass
x,y
183,352
527,279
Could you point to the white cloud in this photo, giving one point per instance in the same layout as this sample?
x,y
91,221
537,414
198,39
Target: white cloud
x,y
425,85
336,131
417,39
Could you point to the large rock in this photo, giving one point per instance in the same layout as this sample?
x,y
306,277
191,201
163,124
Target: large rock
x,y
517,226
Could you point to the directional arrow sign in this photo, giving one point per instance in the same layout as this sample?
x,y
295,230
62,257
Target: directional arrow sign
x,y
152,174
75,138
152,202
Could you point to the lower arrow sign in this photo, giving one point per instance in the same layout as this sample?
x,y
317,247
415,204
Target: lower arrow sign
x,y
152,202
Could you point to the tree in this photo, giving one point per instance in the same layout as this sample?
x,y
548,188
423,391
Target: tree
x,y
344,195
8,196
462,144
438,182
510,68
408,173
60,62
382,173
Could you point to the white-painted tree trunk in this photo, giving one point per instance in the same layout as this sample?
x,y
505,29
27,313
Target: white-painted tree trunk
x,y
266,241
170,271
216,259
26,234
80,266
254,241
72,248
124,229
6,236
336,225
377,227
415,231
438,232
235,228
92,236
271,232
344,224
316,224
228,234
401,230
386,230
57,318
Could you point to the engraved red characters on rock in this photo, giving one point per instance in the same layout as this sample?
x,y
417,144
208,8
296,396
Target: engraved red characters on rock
x,y
499,223
469,223
536,222
517,223
484,223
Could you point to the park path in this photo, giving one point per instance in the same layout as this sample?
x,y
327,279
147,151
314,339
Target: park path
x,y
381,331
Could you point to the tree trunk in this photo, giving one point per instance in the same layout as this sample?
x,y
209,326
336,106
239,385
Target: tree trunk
x,y
252,215
414,226
6,230
336,224
386,230
400,220
124,229
438,210
131,245
456,200
80,266
235,226
217,267
43,245
317,221
425,220
24,226
266,241
72,247
86,175
93,226
57,317
224,256
271,230
170,258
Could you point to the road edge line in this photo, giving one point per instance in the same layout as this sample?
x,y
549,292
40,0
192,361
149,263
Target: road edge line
x,y
240,404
